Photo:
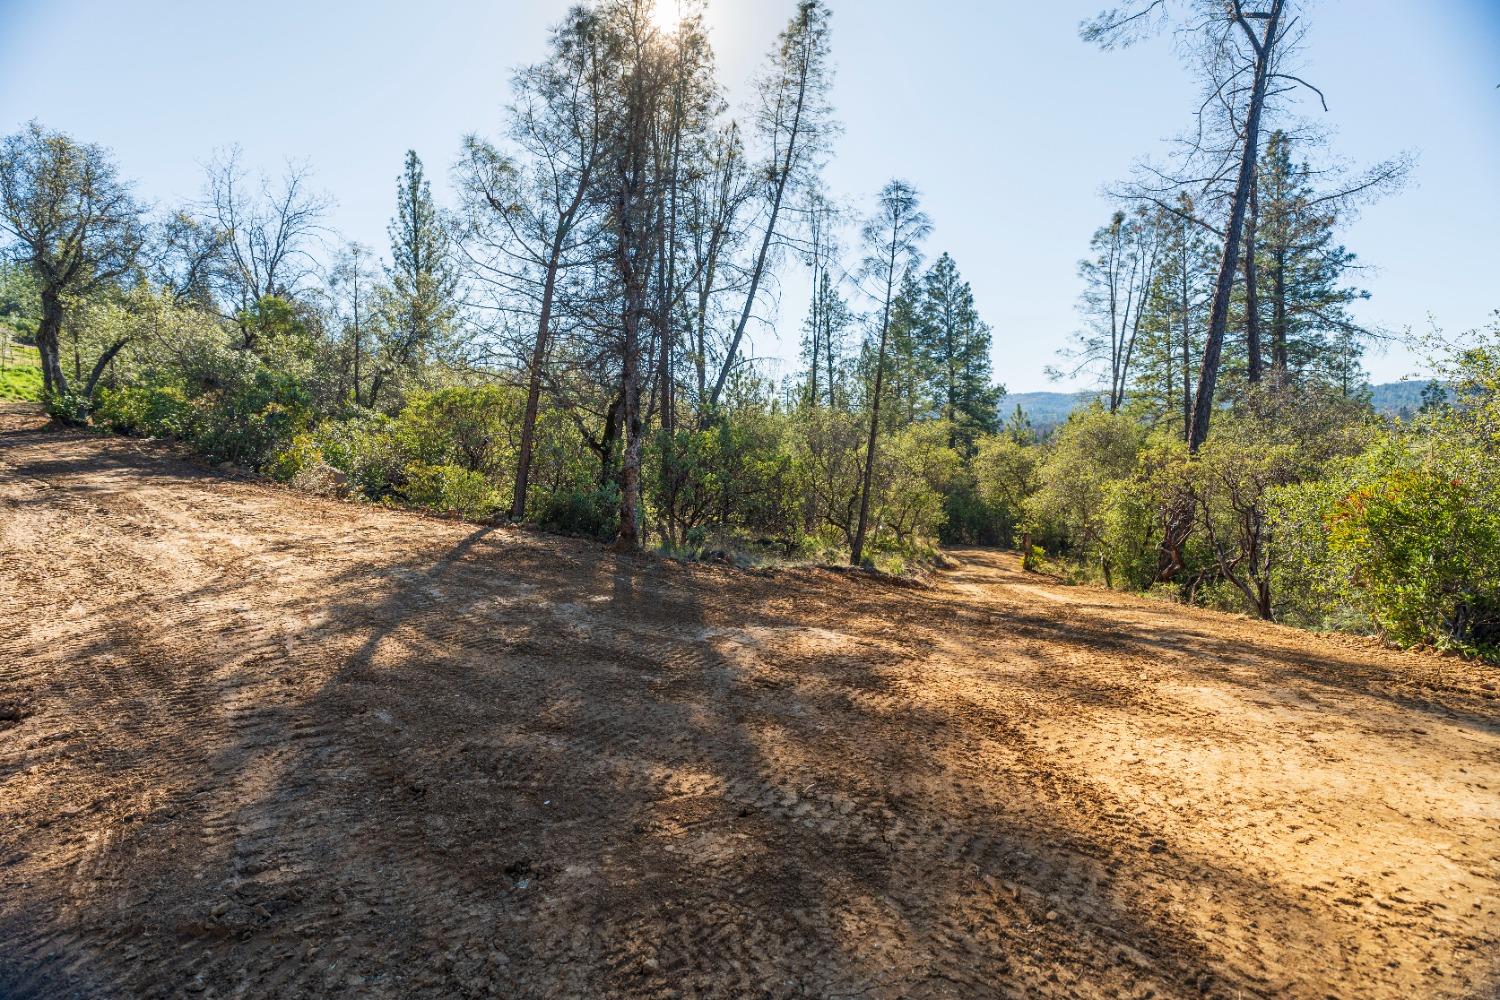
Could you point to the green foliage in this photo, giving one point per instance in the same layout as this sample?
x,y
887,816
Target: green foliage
x,y
68,406
362,445
1420,544
300,454
145,411
1077,484
449,489
253,413
913,472
475,428
1005,476
1409,531
968,520
593,513
740,477
276,329
20,300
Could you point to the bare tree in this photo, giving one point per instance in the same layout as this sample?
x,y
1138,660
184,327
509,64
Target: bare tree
x,y
526,226
1241,54
353,283
892,237
75,226
716,195
1118,279
794,121
267,232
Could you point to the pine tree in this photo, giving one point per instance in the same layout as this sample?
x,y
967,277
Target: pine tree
x,y
892,238
1171,336
421,302
955,344
823,348
909,375
1301,270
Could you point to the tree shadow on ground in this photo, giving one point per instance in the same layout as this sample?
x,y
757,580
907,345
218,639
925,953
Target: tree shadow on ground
x,y
462,762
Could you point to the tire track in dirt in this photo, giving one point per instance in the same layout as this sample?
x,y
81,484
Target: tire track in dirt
x,y
273,746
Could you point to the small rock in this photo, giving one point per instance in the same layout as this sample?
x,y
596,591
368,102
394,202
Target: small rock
x,y
1051,915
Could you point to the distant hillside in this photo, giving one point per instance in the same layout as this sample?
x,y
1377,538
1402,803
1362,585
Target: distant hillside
x,y
1397,399
1048,409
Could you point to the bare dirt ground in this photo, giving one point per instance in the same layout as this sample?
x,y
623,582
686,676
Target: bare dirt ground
x,y
259,745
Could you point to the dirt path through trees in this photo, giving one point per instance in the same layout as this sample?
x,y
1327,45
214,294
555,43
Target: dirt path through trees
x,y
253,744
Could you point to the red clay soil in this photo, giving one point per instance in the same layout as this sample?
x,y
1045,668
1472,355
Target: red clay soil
x,y
254,744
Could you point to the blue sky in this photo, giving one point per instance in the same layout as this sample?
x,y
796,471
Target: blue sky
x,y
1007,122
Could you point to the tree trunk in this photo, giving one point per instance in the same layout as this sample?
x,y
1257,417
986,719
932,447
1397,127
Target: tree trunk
x,y
101,365
1252,293
857,551
608,438
817,333
1279,359
358,339
1187,351
533,396
48,346
629,538
1218,320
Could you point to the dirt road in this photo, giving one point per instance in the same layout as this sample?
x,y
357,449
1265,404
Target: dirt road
x,y
258,745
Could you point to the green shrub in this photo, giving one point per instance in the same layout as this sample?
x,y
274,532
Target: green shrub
x,y
475,428
1079,480
449,489
363,447
1421,543
594,513
146,411
70,407
251,411
301,453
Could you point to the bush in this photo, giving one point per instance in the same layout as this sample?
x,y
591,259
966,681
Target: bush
x,y
915,468
363,447
1078,481
475,428
968,520
1420,543
594,513
449,489
70,407
301,453
145,411
740,475
252,413
1005,475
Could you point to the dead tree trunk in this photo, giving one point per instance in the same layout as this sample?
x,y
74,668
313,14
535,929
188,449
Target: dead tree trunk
x,y
1218,319
1252,292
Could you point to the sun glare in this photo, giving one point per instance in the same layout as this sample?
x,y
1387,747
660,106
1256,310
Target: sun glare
x,y
668,14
